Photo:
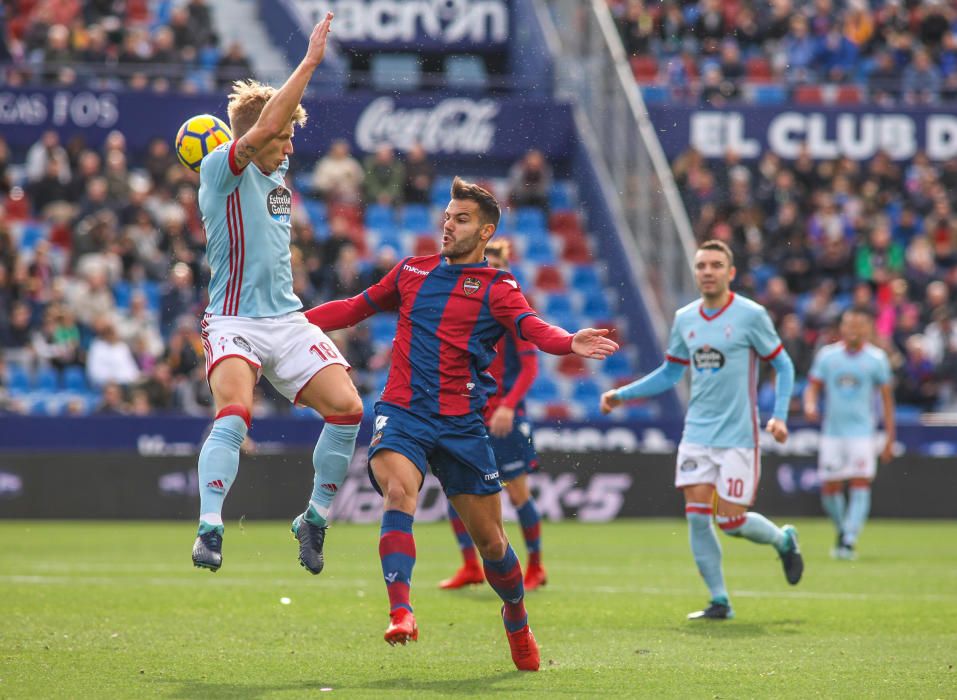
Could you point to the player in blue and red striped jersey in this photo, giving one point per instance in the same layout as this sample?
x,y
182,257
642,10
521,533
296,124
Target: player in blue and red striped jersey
x,y
453,308
514,369
254,325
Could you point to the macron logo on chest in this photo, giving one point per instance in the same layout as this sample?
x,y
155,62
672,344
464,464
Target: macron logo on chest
x,y
415,270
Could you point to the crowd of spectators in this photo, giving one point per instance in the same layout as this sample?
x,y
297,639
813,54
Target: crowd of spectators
x,y
891,50
814,238
109,44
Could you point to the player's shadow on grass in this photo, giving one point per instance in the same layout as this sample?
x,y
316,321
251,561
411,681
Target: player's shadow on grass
x,y
473,685
218,690
735,629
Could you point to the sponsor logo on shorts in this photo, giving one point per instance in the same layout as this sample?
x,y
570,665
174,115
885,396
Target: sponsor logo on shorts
x,y
242,343
707,358
279,204
492,477
471,285
689,465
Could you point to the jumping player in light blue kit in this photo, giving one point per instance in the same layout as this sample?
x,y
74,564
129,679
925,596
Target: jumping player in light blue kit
x,y
849,372
722,337
253,325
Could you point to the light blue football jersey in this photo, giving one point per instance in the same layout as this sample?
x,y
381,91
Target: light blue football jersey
x,y
850,380
723,352
248,225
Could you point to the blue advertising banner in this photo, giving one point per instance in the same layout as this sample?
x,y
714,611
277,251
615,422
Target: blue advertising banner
x,y
182,435
855,132
500,129
414,25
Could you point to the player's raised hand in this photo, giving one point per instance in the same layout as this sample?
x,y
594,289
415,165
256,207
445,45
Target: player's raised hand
x,y
609,401
317,41
592,343
778,429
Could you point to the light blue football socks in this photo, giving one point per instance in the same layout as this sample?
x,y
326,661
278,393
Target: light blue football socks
x,y
218,466
331,460
858,508
706,550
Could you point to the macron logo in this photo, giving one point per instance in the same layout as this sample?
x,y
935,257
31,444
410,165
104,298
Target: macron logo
x,y
416,270
392,576
511,282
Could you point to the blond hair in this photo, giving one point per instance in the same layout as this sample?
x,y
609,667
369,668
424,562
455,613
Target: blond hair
x,y
246,103
500,247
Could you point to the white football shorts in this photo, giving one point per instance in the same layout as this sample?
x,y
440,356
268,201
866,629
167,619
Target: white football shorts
x,y
843,458
287,349
734,471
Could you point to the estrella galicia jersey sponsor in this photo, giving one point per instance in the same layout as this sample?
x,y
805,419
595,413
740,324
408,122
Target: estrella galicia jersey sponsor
x,y
247,215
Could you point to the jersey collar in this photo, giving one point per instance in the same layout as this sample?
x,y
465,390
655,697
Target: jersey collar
x,y
706,317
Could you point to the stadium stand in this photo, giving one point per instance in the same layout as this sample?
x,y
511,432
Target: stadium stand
x,y
714,51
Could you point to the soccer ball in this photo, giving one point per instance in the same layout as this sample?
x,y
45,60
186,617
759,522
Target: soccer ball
x,y
197,137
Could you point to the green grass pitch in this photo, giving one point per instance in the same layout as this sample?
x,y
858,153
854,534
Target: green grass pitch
x,y
115,610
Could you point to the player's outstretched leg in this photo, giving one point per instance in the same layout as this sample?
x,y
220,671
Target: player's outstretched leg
x,y
218,466
471,572
835,505
397,552
858,508
505,577
531,523
707,555
330,460
756,528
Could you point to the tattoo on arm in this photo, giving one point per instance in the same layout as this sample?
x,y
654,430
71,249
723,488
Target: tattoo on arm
x,y
244,152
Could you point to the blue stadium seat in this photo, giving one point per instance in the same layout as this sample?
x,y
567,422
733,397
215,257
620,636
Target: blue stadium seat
x,y
303,183
208,57
153,293
544,390
617,366
316,210
17,380
380,216
440,191
45,379
541,254
596,305
529,219
558,197
73,379
415,217
655,94
396,72
558,305
122,291
585,278
769,94
586,392
466,73
32,233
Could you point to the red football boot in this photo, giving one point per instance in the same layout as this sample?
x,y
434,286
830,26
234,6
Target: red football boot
x,y
524,649
469,574
402,628
534,577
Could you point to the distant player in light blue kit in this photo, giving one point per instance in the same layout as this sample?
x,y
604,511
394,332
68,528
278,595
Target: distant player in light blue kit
x,y
722,337
253,325
849,372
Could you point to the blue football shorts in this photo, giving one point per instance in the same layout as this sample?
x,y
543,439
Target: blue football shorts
x,y
515,453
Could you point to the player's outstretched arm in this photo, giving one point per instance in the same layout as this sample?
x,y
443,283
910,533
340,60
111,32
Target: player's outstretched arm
x,y
278,112
665,376
343,313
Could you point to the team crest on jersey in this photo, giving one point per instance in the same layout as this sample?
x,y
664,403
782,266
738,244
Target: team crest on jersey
x,y
471,285
279,204
376,439
707,358
241,342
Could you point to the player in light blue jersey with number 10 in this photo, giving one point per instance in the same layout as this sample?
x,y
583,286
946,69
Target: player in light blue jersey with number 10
x,y
722,337
253,325
849,372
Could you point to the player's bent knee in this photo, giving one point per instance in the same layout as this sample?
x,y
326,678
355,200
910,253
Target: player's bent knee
x,y
493,547
830,487
860,483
